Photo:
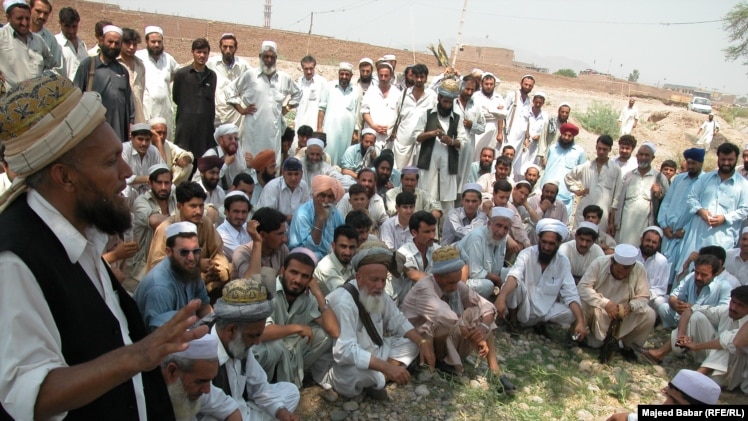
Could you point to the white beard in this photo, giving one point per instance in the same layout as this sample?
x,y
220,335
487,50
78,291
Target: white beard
x,y
267,70
372,303
184,409
328,209
237,348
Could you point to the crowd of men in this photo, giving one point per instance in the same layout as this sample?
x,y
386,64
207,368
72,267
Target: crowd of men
x,y
397,223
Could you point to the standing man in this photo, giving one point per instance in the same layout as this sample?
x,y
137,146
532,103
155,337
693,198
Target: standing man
x,y
626,145
135,68
736,259
380,104
160,68
562,157
707,132
24,55
518,104
413,104
743,169
492,107
535,146
554,125
629,117
73,48
228,68
475,124
111,80
40,11
312,88
365,74
337,115
194,94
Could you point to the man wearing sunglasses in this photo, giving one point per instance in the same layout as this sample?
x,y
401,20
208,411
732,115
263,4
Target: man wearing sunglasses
x,y
174,281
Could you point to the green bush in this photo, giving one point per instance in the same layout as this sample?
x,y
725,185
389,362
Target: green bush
x,y
600,118
566,72
729,114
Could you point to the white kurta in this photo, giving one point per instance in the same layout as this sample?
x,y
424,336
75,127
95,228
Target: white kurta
x,y
604,184
225,74
72,54
635,208
559,162
312,92
518,112
410,114
472,112
579,262
493,110
382,109
627,118
536,126
277,195
707,134
737,266
658,275
157,96
340,107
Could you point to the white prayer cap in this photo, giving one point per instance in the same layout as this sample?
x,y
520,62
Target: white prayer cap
x,y
476,71
304,250
564,104
366,60
389,57
552,182
552,225
237,193
225,129
315,142
345,66
269,46
697,386
651,146
625,254
528,76
745,147
140,127
368,130
227,35
540,94
8,4
491,75
157,120
180,228
523,182
205,348
527,166
655,229
588,225
385,64
153,30
112,28
471,186
155,167
501,212
745,231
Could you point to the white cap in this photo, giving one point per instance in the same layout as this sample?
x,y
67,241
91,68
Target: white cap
x,y
588,225
472,186
625,254
180,228
368,130
233,193
269,45
697,385
7,4
385,64
564,104
528,166
651,146
205,348
552,225
745,231
745,147
528,76
491,75
344,65
225,129
155,167
501,212
157,120
523,182
552,182
140,127
366,60
154,30
540,94
655,229
112,28
389,57
315,142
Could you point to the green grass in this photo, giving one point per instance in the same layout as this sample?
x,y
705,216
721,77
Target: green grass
x,y
730,114
600,118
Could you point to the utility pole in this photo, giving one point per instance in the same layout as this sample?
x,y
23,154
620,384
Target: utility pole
x,y
267,13
459,32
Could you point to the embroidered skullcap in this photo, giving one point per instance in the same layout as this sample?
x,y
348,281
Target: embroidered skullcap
x,y
315,142
40,120
651,146
491,75
205,348
694,154
233,193
345,66
323,183
501,212
366,60
384,64
9,4
375,251
409,170
304,250
263,160
368,130
140,127
112,28
244,301
569,128
527,166
472,187
446,260
564,104
588,225
153,30
389,57
528,76
292,164
540,94
180,228
225,129
625,254
269,46
552,225
155,167
449,88
157,120
697,386
206,163
654,228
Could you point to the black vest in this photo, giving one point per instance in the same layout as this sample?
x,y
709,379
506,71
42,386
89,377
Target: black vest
x,y
87,328
427,146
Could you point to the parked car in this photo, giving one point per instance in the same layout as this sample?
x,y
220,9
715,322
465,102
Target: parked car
x,y
700,105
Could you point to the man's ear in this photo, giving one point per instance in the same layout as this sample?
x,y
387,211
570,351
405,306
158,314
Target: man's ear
x,y
63,176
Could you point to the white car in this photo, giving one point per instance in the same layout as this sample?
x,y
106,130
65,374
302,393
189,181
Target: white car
x,y
700,105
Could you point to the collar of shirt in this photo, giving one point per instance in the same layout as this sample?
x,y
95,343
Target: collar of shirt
x,y
349,88
223,356
337,264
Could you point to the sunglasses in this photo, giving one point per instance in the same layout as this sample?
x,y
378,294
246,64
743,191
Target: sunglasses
x,y
195,252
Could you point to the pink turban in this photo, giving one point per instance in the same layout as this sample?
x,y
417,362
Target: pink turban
x,y
322,183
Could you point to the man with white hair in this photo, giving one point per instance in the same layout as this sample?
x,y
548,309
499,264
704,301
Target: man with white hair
x,y
582,250
160,68
228,67
364,358
492,107
655,264
188,375
484,250
314,222
539,287
338,113
641,193
25,55
259,95
380,104
314,164
229,148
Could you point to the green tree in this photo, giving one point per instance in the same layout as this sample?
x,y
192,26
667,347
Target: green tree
x,y
634,76
736,25
566,72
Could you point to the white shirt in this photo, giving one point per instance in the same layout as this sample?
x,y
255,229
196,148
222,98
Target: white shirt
x,y
5,182
658,273
393,234
312,91
331,273
215,197
36,344
628,166
71,57
737,266
277,195
158,75
377,212
225,74
383,110
232,237
140,165
579,262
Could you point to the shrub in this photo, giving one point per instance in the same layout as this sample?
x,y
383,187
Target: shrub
x,y
566,72
600,119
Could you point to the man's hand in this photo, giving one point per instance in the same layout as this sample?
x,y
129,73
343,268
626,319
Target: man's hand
x,y
612,309
158,142
250,110
500,305
687,342
252,230
656,190
125,250
681,306
354,138
580,331
467,124
397,373
427,354
380,129
184,161
248,158
705,216
582,193
499,136
284,414
716,220
512,246
229,159
486,206
667,232
306,332
545,205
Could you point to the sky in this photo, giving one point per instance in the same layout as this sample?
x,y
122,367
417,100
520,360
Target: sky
x,y
664,39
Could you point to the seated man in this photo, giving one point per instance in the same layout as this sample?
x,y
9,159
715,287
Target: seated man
x,y
188,375
656,265
177,159
547,206
272,230
460,221
265,169
483,166
417,253
387,176
701,287
409,182
484,249
233,230
366,178
214,266
452,315
531,174
593,214
615,300
174,281
736,261
582,250
503,169
361,155
287,192
708,333
721,255
140,155
301,328
364,358
527,214
305,142
317,162
539,287
229,148
361,222
209,170
335,268
518,238
240,321
395,231
315,221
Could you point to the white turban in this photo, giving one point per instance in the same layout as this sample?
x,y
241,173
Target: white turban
x,y
501,212
528,166
155,167
552,225
368,130
655,229
7,4
698,386
472,186
269,46
389,57
237,193
651,146
564,104
315,142
540,94
205,348
153,30
112,28
625,254
345,66
157,120
181,228
366,60
588,225
225,129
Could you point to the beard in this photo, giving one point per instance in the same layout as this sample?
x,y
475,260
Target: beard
x,y
444,112
110,216
312,167
184,408
647,251
154,51
186,275
227,57
485,167
231,149
726,169
267,70
210,184
644,165
372,303
160,195
288,290
545,257
566,145
237,349
110,53
266,177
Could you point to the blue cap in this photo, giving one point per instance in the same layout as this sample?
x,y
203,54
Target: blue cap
x,y
694,154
